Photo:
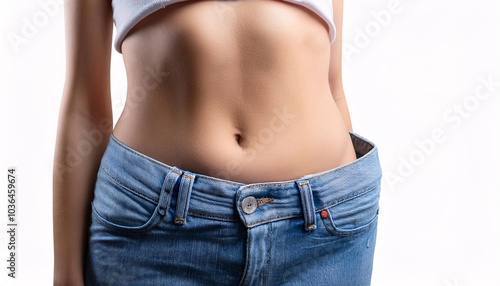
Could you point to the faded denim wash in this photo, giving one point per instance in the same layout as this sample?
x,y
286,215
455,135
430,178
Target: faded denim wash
x,y
155,224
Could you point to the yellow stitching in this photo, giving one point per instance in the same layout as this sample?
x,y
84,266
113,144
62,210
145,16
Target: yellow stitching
x,y
311,226
264,200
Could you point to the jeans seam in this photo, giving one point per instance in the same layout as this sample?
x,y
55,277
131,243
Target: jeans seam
x,y
103,222
273,219
212,216
350,197
364,228
247,262
128,188
268,271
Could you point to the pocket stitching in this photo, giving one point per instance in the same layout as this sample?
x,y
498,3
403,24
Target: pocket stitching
x,y
129,189
333,229
145,228
330,225
351,197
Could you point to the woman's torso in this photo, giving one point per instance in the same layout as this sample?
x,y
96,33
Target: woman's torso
x,y
233,89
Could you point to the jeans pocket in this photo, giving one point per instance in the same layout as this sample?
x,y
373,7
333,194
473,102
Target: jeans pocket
x,y
121,208
354,214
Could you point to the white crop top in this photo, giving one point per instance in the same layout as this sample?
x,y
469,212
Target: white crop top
x,y
127,13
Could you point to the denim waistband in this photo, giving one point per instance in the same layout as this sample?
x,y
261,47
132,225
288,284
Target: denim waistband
x,y
253,204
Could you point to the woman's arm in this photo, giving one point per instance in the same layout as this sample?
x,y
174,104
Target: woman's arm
x,y
335,75
85,124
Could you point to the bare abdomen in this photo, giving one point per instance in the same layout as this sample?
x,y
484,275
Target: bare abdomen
x,y
237,90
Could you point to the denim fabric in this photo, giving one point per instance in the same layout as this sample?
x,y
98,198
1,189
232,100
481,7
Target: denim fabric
x,y
154,224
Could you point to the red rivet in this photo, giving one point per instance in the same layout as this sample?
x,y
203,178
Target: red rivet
x,y
324,214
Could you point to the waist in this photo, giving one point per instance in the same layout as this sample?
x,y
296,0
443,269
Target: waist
x,y
276,140
215,197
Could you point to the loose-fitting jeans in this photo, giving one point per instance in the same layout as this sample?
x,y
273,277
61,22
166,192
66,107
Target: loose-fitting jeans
x,y
154,224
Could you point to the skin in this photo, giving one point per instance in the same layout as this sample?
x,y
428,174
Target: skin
x,y
232,91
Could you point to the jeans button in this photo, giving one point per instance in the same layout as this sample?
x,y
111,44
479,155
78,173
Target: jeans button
x,y
249,205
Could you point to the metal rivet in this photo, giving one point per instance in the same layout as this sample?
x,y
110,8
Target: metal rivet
x,y
324,214
249,205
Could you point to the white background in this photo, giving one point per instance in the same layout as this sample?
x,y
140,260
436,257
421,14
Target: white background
x,y
409,72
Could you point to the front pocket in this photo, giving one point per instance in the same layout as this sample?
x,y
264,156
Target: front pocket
x,y
354,214
120,208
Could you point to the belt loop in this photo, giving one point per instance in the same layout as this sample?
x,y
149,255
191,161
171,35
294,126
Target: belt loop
x,y
167,190
306,197
183,197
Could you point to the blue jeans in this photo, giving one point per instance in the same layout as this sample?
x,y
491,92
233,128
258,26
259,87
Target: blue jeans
x,y
154,224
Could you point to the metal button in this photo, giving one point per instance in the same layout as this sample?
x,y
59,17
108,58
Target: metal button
x,y
249,205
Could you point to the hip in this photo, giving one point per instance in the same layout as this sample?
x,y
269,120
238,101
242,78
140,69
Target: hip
x,y
153,223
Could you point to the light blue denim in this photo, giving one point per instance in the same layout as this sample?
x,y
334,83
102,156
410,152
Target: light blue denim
x,y
154,224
